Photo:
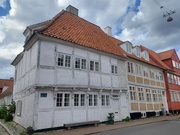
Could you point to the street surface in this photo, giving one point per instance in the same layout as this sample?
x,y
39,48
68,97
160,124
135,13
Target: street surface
x,y
160,128
3,131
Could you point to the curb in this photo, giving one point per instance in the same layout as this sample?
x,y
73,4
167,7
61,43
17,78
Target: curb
x,y
9,132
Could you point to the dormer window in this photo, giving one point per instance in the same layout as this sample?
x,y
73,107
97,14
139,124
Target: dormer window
x,y
146,55
128,47
138,52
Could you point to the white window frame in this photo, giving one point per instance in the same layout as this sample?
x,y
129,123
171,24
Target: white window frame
x,y
114,69
61,101
173,63
154,94
105,100
19,108
132,93
148,95
138,69
80,63
160,96
130,67
93,100
141,94
64,62
145,72
79,100
94,66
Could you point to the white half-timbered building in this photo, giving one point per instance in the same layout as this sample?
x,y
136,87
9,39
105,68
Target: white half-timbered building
x,y
70,71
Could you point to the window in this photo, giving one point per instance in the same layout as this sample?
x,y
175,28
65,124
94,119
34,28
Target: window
x,y
132,92
19,108
161,76
138,69
43,95
152,74
113,69
94,66
160,96
63,60
169,79
80,63
79,99
130,67
145,71
146,55
105,100
141,94
177,65
174,64
175,96
138,52
93,100
172,96
63,100
154,95
128,47
148,95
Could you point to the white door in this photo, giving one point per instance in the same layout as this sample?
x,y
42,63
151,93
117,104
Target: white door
x,y
116,110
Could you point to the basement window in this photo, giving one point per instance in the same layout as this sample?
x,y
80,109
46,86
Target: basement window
x,y
43,95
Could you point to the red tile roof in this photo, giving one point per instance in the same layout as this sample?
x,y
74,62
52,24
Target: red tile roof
x,y
5,82
71,28
166,54
155,57
8,91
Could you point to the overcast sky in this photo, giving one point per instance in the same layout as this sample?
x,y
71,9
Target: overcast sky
x,y
140,22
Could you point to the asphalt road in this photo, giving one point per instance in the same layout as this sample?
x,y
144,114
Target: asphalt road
x,y
159,128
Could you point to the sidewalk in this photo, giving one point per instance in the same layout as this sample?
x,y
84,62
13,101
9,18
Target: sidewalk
x,y
101,128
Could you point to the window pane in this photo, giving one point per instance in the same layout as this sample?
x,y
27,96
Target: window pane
x,y
103,100
90,100
92,65
82,99
115,69
76,99
95,100
77,63
96,66
66,99
60,59
68,61
83,65
112,68
107,100
59,100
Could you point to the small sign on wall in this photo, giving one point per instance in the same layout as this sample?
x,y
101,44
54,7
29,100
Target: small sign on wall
x,y
43,95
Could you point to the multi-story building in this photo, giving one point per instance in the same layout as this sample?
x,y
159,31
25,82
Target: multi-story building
x,y
170,58
145,81
6,88
70,71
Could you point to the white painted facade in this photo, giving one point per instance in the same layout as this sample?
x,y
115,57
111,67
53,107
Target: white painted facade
x,y
39,81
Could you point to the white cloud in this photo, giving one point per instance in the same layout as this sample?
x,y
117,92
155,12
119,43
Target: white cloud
x,y
3,3
145,27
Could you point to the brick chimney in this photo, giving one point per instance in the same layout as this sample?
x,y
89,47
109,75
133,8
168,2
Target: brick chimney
x,y
108,30
72,10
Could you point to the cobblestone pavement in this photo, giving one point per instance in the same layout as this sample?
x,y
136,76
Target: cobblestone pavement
x,y
3,131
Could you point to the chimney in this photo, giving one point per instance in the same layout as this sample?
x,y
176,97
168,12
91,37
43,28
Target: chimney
x,y
108,30
72,10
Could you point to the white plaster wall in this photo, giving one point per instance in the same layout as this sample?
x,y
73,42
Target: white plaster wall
x,y
95,79
106,66
93,56
47,54
81,78
80,52
79,114
61,117
94,114
115,81
64,76
106,80
26,118
124,106
46,76
63,48
46,102
44,120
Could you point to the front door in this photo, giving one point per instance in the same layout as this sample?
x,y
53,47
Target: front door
x,y
116,110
